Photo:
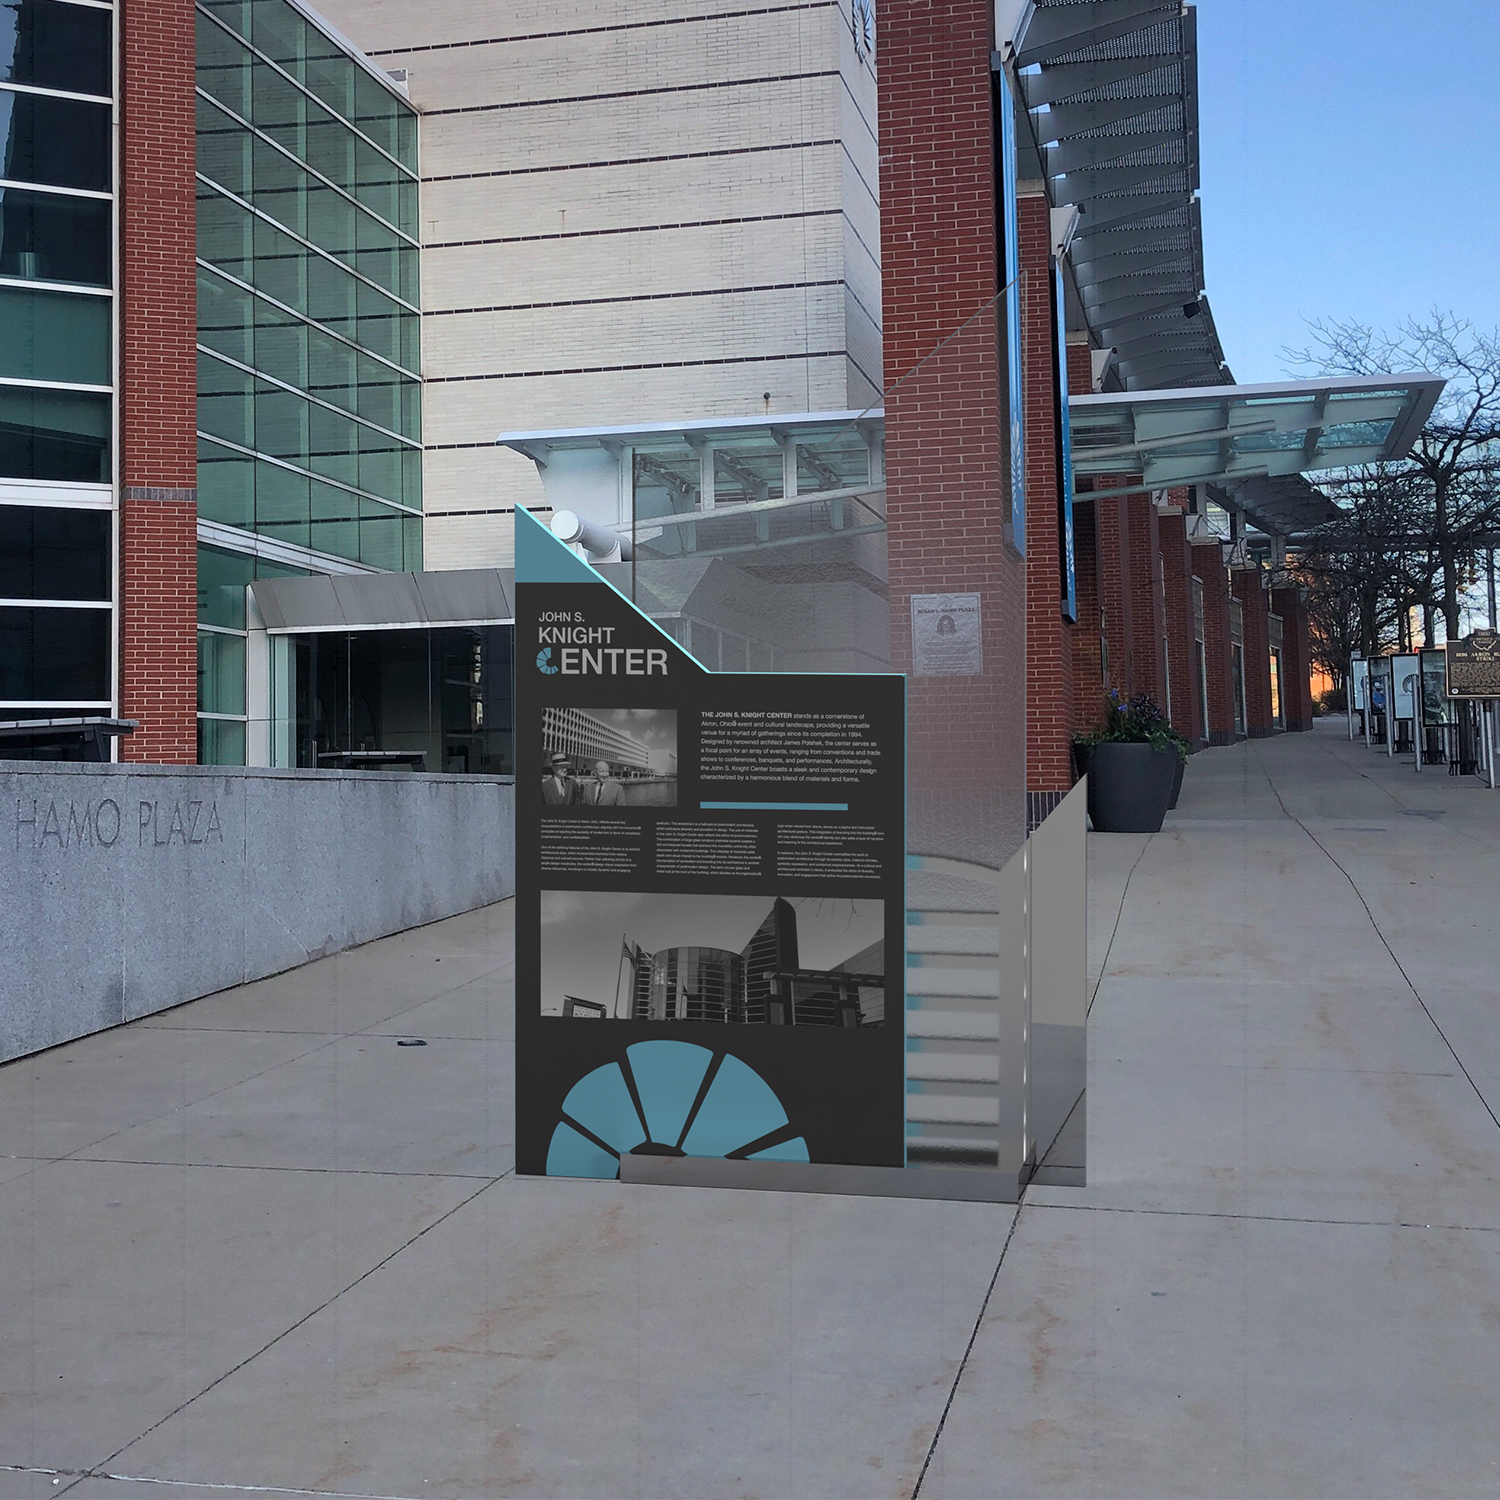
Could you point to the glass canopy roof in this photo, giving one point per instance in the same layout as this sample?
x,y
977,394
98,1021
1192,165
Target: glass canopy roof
x,y
1229,434
822,472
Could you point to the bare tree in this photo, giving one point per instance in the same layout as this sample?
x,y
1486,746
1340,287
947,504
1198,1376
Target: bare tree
x,y
1367,567
1457,455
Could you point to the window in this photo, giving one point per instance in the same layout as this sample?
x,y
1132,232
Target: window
x,y
234,322
221,673
58,435
226,483
310,121
222,577
223,723
48,552
221,742
55,46
54,655
48,237
323,397
268,258
63,142
54,336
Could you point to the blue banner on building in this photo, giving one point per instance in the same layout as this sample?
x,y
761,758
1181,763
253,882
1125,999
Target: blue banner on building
x,y
1065,446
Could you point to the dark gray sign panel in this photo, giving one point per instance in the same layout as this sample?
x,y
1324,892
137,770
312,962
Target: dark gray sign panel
x,y
711,874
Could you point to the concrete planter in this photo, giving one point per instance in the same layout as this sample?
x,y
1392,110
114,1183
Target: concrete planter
x,y
1177,781
1129,787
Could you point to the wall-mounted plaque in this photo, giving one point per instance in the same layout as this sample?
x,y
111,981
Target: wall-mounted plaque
x,y
946,635
1474,666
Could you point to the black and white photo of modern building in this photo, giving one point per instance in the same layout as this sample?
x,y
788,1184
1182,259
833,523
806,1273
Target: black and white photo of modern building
x,y
743,959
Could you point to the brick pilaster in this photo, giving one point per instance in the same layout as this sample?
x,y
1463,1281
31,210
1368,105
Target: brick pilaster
x,y
1147,662
1177,604
1290,603
1255,611
1208,566
158,382
946,484
1088,660
1112,549
1049,646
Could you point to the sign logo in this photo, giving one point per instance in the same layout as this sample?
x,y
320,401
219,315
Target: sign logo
x,y
544,661
676,1116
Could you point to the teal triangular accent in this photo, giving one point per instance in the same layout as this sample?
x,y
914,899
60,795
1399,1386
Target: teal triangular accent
x,y
541,558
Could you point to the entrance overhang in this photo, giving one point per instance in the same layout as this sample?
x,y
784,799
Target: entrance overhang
x,y
1255,441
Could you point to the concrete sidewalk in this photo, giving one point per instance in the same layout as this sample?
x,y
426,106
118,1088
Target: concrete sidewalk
x,y
257,1243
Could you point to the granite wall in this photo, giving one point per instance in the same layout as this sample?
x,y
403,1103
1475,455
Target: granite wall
x,y
125,890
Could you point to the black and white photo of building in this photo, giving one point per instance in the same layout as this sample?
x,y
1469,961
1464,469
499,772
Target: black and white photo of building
x,y
609,757
820,963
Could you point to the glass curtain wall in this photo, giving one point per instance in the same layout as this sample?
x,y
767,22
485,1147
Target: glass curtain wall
x,y
309,336
223,721
429,699
56,363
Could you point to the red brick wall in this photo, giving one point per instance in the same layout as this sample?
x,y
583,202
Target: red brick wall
x,y
946,486
1296,663
1255,607
1112,547
158,383
1177,601
1049,646
1147,664
1080,369
1208,565
1088,666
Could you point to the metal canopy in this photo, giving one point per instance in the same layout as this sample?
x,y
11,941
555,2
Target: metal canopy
x,y
1283,506
1110,88
386,601
1255,440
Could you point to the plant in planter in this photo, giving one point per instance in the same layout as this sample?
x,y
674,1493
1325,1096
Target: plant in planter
x,y
1134,765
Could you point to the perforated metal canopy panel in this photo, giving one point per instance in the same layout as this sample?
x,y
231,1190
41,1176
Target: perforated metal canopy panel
x,y
369,601
1110,88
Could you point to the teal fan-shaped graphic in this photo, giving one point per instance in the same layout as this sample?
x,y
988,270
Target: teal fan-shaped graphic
x,y
692,1102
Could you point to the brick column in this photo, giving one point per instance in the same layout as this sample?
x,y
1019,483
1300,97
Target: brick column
x,y
1208,566
158,383
1255,607
1143,568
1177,605
1088,661
1112,547
947,492
1296,661
1049,648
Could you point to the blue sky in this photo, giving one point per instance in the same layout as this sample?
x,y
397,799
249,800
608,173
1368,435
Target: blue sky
x,y
1350,156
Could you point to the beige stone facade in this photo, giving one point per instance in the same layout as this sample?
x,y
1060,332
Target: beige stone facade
x,y
630,213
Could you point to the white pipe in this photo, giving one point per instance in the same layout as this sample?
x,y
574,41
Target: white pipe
x,y
598,542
